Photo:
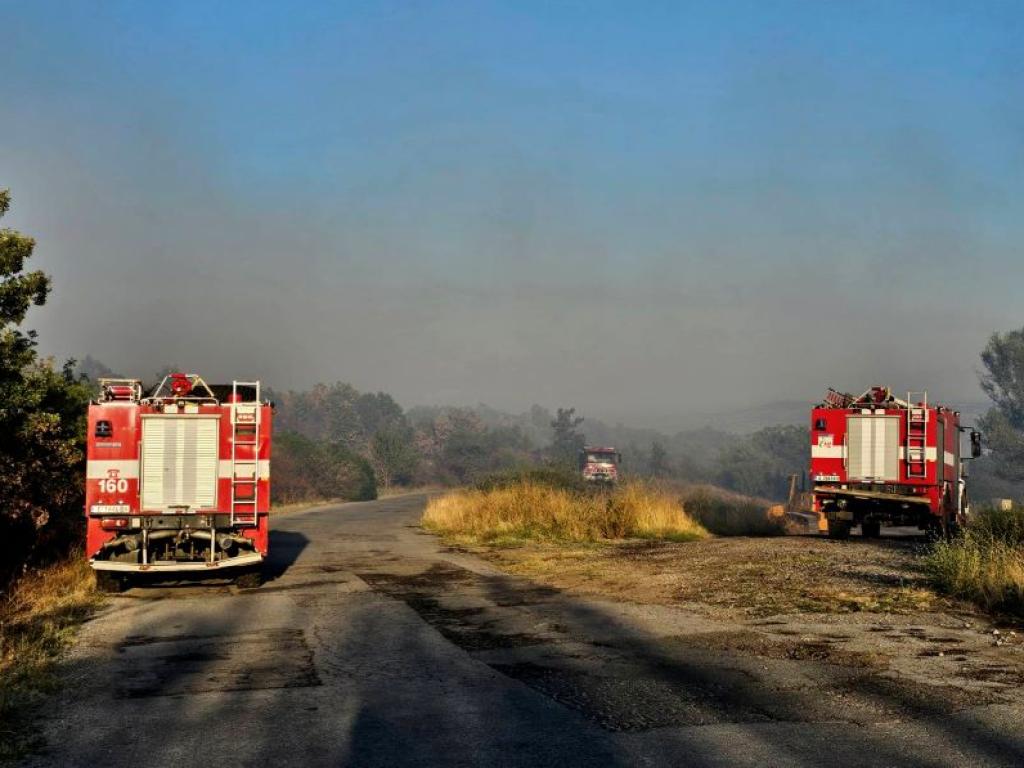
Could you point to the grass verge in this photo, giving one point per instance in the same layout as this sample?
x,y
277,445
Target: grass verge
x,y
39,616
529,511
985,564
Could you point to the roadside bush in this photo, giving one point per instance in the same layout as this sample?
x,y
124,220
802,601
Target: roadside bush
x,y
528,510
39,616
309,470
985,563
1006,525
729,514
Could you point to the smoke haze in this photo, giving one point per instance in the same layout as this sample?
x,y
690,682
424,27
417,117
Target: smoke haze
x,y
643,212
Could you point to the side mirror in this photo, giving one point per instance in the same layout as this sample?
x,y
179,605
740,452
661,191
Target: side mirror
x,y
975,444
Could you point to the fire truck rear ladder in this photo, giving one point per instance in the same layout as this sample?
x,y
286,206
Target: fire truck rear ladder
x,y
917,435
245,464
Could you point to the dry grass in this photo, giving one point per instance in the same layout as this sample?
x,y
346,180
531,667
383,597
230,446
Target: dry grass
x,y
533,512
986,563
38,619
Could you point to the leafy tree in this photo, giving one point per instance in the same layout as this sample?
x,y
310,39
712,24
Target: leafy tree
x,y
1003,382
761,464
658,465
393,455
307,469
567,442
471,451
379,412
42,415
465,456
344,474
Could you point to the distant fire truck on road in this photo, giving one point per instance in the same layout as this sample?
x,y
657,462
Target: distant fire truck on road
x,y
177,481
879,460
600,464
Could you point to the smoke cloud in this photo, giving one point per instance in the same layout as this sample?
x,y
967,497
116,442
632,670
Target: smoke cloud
x,y
649,218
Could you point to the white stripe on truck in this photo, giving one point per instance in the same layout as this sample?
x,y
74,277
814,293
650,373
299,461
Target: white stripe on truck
x,y
828,451
931,453
224,469
100,469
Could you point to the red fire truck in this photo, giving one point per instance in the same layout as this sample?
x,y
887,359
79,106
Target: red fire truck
x,y
600,464
876,459
177,481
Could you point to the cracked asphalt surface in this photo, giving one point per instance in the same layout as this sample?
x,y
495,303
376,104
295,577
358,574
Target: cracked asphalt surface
x,y
371,644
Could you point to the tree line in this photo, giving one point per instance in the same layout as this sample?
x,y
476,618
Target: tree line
x,y
333,441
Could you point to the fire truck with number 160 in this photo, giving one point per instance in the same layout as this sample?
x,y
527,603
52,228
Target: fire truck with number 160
x,y
177,481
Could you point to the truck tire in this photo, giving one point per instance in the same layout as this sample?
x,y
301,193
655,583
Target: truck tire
x,y
870,529
838,529
250,579
110,583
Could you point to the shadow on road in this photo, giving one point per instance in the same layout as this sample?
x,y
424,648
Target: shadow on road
x,y
629,681
726,689
285,548
422,662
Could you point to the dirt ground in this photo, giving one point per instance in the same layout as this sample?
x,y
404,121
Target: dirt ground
x,y
862,604
739,577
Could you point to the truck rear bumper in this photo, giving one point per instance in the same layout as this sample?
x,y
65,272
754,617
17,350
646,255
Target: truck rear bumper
x,y
163,566
876,496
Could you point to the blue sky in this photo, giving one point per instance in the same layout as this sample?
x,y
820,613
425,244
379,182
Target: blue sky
x,y
642,209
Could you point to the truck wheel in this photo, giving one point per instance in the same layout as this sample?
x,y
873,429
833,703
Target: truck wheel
x,y
870,529
838,529
250,579
110,583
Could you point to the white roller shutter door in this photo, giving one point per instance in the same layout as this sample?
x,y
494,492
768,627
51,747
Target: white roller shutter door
x,y
179,461
873,445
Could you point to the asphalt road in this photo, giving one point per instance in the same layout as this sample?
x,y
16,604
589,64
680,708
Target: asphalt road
x,y
371,645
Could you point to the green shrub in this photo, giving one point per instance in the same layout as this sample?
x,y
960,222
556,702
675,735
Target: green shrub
x,y
728,514
1006,525
985,563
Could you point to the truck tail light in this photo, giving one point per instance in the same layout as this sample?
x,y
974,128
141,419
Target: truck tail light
x,y
114,523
